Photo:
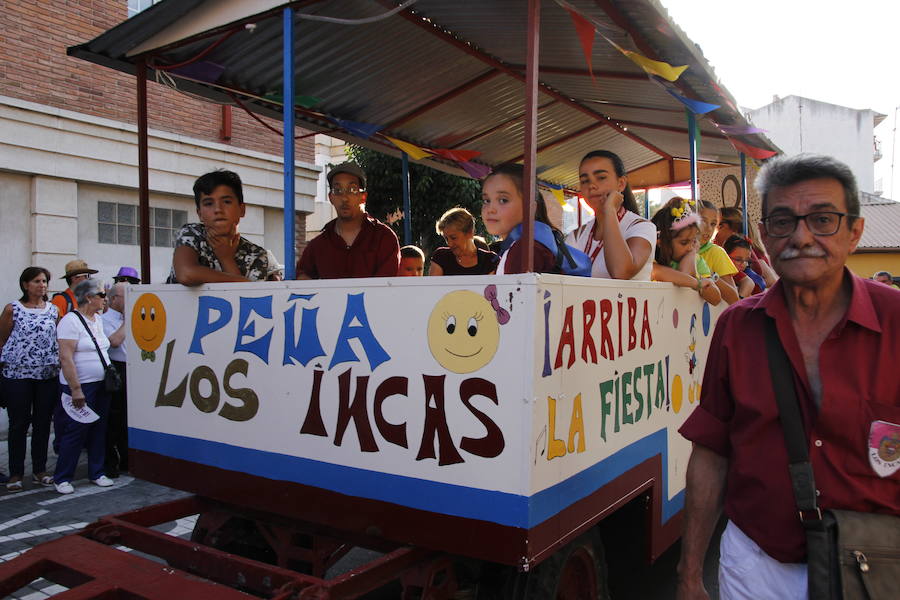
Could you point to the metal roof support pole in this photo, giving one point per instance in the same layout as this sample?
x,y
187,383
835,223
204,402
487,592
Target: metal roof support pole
x,y
646,203
407,209
143,171
744,190
692,141
578,204
288,116
531,104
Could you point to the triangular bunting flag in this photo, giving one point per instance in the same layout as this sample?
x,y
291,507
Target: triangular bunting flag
x,y
560,197
360,130
653,67
414,151
752,151
696,106
302,101
475,170
203,70
457,155
585,31
739,129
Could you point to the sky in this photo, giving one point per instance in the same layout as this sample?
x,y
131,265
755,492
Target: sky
x,y
845,53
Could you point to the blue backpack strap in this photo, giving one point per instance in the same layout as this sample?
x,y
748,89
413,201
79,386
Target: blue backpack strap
x,y
569,260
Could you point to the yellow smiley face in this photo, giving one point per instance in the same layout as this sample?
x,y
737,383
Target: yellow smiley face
x,y
463,332
148,322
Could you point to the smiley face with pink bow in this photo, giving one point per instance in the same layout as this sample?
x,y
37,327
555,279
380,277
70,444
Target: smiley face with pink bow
x,y
464,329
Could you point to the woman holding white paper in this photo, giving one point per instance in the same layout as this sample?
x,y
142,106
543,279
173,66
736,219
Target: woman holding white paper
x,y
83,357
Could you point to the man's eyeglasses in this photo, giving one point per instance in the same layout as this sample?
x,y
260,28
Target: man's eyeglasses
x,y
819,223
349,190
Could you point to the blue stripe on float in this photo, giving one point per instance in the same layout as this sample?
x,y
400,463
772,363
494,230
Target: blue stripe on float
x,y
507,509
552,500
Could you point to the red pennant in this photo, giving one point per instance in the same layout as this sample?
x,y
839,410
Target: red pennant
x,y
585,32
752,151
456,155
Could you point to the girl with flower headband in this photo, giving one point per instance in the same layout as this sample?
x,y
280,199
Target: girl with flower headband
x,y
618,241
677,261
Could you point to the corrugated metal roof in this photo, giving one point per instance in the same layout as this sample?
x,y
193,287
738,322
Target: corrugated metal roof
x,y
882,229
424,79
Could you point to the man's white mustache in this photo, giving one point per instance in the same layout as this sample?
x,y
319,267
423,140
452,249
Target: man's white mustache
x,y
810,252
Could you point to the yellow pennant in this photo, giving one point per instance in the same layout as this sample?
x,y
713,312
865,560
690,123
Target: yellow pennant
x,y
561,198
414,151
653,67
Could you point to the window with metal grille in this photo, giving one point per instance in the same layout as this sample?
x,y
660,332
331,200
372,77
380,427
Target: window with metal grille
x,y
136,6
118,224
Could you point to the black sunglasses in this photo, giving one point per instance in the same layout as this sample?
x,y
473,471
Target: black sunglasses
x,y
100,294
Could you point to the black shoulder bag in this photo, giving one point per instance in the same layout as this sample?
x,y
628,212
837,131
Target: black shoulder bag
x,y
111,380
850,555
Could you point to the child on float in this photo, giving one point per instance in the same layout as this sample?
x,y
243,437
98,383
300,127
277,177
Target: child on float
x,y
412,262
213,251
619,242
460,256
717,259
676,259
748,281
502,201
502,210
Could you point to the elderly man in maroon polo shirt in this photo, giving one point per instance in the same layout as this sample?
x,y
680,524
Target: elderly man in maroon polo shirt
x,y
841,335
354,244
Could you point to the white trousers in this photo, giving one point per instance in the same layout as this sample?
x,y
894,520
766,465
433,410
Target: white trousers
x,y
746,572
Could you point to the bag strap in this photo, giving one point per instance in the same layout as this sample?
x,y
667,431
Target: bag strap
x,y
69,305
90,333
563,251
795,440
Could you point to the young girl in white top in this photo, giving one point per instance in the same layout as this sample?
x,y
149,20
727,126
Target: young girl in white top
x,y
619,242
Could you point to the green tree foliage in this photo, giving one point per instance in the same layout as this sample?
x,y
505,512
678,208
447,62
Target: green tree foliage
x,y
431,193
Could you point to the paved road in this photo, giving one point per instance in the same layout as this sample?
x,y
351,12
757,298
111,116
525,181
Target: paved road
x,y
38,514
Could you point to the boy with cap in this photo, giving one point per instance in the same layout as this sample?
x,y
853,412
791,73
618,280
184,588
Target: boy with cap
x,y
213,251
76,271
354,244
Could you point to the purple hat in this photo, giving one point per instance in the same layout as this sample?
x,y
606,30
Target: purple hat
x,y
129,273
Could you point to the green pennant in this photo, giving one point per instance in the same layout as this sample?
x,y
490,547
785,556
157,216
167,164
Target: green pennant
x,y
301,101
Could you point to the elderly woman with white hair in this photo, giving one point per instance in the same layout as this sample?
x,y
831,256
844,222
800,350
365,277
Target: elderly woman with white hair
x,y
83,359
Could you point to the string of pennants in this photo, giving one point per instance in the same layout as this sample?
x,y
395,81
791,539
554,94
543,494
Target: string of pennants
x,y
664,74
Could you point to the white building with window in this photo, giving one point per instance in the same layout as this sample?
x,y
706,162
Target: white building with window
x,y
67,189
799,124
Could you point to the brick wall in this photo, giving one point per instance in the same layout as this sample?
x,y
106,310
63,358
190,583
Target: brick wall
x,y
34,35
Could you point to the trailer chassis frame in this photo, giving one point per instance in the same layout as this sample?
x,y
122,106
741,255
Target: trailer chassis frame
x,y
88,564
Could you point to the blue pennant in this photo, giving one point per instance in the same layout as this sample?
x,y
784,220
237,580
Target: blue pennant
x,y
360,130
695,106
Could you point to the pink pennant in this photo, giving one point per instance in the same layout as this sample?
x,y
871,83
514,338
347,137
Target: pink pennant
x,y
752,151
585,31
457,155
739,129
475,170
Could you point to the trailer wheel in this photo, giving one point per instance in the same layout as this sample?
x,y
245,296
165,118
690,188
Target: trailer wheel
x,y
575,572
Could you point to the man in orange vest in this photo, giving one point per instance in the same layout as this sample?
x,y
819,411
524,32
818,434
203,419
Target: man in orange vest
x,y
76,271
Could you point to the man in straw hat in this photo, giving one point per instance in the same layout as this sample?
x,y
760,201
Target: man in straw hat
x,y
76,271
